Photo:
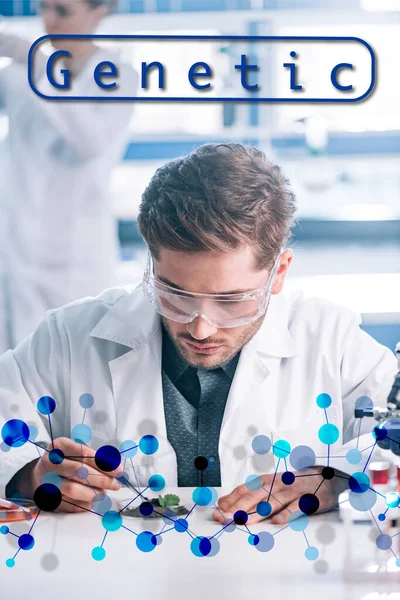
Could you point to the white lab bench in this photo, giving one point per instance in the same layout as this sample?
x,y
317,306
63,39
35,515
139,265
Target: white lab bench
x,y
349,566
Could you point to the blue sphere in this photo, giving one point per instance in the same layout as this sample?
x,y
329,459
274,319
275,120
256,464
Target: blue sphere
x,y
328,433
359,482
146,541
324,401
156,483
86,401
181,525
98,553
107,458
148,444
15,433
26,541
264,509
288,478
111,520
56,456
202,496
311,553
46,405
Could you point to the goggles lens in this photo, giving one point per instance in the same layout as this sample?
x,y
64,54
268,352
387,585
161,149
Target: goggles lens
x,y
231,310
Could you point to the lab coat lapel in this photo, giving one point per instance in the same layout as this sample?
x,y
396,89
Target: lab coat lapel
x,y
258,359
137,383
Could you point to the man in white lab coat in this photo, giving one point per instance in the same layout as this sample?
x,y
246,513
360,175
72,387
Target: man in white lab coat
x,y
58,236
231,377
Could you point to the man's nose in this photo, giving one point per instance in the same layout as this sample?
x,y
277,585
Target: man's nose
x,y
199,329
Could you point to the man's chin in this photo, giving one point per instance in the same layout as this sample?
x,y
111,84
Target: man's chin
x,y
204,361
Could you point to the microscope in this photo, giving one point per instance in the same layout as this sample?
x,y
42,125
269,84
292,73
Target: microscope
x,y
387,432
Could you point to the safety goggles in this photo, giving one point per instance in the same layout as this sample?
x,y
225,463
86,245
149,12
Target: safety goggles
x,y
219,310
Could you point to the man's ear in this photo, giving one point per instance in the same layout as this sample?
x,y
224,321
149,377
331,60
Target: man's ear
x,y
283,267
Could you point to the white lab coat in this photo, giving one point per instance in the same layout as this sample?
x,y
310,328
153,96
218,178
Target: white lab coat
x,y
58,238
110,347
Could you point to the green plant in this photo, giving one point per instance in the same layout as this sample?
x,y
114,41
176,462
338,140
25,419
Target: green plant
x,y
169,500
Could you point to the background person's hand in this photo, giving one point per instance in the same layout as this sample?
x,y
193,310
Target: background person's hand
x,y
77,491
284,499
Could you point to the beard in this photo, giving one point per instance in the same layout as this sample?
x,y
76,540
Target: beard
x,y
231,345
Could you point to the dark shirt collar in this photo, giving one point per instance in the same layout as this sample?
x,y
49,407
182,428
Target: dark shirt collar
x,y
174,365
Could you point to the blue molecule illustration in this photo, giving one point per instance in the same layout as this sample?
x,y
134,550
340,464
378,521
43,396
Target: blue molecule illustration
x,y
146,509
311,553
359,482
52,478
380,432
381,517
26,541
363,501
33,432
324,400
215,547
302,457
146,541
101,503
46,405
298,521
384,541
98,553
240,517
156,483
111,520
354,456
254,483
86,401
281,449
107,458
81,434
202,496
309,504
129,448
82,473
201,546
261,444
48,497
253,539
264,509
15,433
392,499
328,433
288,478
266,541
181,525
56,456
148,444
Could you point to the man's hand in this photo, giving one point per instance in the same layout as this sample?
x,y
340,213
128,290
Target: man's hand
x,y
77,492
283,499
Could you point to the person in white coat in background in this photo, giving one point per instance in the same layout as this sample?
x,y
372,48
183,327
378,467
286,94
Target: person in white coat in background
x,y
229,375
58,237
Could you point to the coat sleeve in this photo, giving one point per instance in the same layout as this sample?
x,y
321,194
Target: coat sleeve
x,y
91,126
35,368
367,369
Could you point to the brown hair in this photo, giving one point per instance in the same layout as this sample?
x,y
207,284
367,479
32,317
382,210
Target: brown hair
x,y
217,198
